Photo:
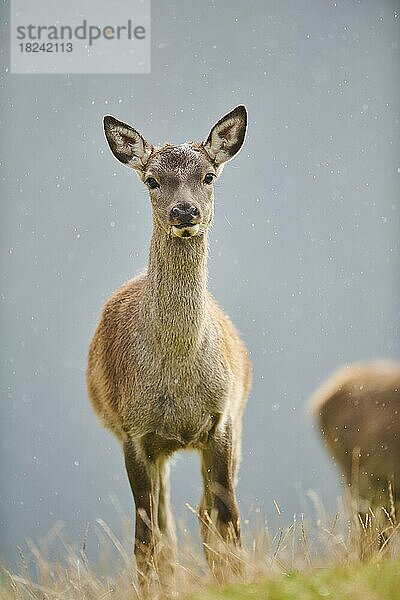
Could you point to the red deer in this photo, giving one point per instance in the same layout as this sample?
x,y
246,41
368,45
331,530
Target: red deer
x,y
167,370
358,410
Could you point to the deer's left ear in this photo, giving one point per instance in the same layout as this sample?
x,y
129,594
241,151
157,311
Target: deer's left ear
x,y
227,136
127,144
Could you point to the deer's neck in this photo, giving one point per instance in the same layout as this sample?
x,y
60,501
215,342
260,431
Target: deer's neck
x,y
176,291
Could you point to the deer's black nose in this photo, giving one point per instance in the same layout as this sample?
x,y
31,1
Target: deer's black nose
x,y
184,213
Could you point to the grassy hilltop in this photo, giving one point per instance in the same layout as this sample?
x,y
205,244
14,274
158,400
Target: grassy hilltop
x,y
343,560
378,581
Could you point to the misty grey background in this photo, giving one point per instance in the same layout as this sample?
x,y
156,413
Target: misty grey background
x,y
304,252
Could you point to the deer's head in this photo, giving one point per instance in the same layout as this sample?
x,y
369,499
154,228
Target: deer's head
x,y
180,177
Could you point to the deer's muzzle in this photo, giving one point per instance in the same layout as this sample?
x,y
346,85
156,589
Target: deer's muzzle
x,y
185,220
185,231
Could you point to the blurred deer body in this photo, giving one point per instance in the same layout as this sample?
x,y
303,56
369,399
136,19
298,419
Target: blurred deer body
x,y
358,411
167,369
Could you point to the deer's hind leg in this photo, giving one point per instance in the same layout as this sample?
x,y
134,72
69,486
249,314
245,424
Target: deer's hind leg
x,y
219,513
165,519
167,556
144,478
155,538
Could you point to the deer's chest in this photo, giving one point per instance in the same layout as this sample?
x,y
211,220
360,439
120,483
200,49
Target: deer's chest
x,y
190,388
182,403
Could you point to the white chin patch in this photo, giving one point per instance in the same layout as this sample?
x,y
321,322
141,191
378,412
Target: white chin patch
x,y
185,232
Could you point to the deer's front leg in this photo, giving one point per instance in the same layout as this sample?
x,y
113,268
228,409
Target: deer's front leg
x,y
219,514
144,477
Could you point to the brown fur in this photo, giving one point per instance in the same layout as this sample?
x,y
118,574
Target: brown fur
x,y
358,410
167,370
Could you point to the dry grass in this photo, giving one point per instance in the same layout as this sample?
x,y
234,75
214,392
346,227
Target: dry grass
x,y
281,565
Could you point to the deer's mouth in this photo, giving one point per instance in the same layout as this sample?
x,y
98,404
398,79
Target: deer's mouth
x,y
185,230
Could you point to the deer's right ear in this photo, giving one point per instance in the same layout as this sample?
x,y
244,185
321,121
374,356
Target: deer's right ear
x,y
126,143
227,136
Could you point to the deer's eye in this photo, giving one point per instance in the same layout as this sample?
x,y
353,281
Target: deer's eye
x,y
152,183
209,178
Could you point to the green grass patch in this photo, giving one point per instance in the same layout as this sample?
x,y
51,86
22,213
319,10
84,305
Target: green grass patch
x,y
377,581
340,561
